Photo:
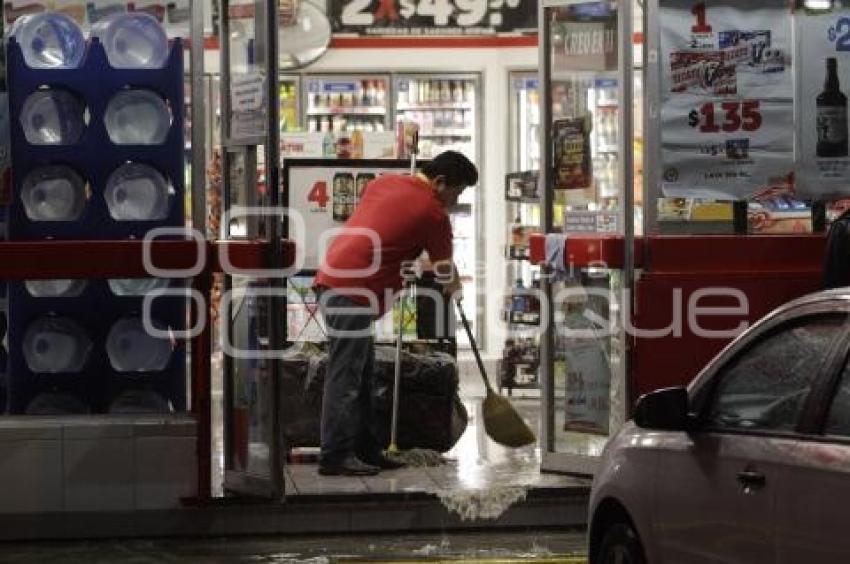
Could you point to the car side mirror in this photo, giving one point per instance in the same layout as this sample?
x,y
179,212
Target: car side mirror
x,y
664,410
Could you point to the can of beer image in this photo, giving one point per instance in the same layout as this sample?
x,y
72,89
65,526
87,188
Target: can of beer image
x,y
363,179
351,192
340,197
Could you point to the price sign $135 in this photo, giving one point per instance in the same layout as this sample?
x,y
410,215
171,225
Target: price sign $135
x,y
736,116
467,13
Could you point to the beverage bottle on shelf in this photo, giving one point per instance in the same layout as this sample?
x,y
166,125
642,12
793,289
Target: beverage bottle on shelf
x,y
445,92
55,344
412,93
517,232
52,117
136,286
132,40
468,92
53,193
365,97
56,288
458,119
518,301
380,93
325,123
137,117
435,92
357,144
379,125
457,91
403,95
832,115
424,92
131,348
319,100
49,40
467,120
328,148
427,121
137,192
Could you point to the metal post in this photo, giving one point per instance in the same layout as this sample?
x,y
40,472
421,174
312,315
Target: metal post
x,y
626,148
547,339
200,345
652,117
277,316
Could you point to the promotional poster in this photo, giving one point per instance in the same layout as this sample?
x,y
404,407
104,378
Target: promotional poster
x,y
727,107
823,159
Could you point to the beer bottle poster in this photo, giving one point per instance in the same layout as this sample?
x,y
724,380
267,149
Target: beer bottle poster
x,y
727,89
822,155
571,154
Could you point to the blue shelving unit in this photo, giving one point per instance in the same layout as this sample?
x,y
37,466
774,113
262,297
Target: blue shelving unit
x,y
94,157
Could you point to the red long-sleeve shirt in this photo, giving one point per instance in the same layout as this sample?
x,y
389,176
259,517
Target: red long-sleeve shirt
x,y
406,217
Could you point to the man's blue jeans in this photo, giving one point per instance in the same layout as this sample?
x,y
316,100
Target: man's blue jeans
x,y
348,402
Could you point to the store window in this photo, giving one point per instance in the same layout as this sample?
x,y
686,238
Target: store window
x,y
766,386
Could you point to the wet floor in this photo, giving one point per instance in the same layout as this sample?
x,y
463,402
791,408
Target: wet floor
x,y
503,547
476,463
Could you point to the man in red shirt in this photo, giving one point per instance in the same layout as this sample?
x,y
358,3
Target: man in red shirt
x,y
398,218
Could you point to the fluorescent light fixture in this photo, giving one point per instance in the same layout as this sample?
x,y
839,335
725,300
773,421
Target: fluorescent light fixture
x,y
818,4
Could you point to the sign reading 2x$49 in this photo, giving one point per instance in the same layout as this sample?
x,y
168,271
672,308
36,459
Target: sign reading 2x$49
x,y
432,17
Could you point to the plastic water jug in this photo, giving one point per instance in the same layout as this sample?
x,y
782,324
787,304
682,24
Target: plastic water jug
x,y
132,40
140,401
137,192
136,286
131,349
56,288
56,403
53,193
55,344
49,40
53,117
137,117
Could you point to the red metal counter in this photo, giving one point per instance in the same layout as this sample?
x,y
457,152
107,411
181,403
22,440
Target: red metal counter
x,y
675,274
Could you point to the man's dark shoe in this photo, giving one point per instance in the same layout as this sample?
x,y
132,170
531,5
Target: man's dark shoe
x,y
351,466
383,462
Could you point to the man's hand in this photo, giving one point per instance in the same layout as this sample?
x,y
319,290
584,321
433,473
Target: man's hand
x,y
448,276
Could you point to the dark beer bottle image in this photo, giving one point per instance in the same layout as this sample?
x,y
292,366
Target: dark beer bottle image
x,y
832,115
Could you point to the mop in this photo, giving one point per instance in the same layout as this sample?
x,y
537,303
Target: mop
x,y
416,457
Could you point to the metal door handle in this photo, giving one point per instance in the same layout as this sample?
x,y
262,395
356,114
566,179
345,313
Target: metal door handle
x,y
751,480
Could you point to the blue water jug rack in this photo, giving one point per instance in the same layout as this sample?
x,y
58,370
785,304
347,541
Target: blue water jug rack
x,y
94,156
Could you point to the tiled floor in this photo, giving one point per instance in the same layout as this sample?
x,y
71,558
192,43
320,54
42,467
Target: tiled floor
x,y
475,463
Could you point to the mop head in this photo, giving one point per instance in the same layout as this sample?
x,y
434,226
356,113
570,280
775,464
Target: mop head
x,y
503,424
416,457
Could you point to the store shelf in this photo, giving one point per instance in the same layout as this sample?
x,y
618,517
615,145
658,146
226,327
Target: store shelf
x,y
447,133
435,106
523,200
348,111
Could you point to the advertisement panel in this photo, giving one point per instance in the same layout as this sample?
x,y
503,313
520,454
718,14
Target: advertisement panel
x,y
727,97
432,17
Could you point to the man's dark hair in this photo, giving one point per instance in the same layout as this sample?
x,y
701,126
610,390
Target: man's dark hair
x,y
458,170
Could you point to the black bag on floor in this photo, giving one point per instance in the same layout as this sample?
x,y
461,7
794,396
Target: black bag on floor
x,y
431,415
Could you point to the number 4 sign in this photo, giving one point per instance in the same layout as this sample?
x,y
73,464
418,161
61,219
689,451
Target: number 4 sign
x,y
318,197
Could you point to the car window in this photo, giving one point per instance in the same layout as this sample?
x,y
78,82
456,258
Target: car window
x,y
766,385
838,421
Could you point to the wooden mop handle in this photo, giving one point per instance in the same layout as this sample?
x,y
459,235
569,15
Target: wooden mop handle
x,y
474,347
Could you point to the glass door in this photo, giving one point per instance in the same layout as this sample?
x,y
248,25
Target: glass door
x,y
447,108
252,303
586,180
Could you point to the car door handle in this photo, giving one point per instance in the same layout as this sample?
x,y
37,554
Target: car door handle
x,y
751,480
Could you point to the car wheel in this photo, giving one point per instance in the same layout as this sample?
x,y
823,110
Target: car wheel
x,y
620,545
